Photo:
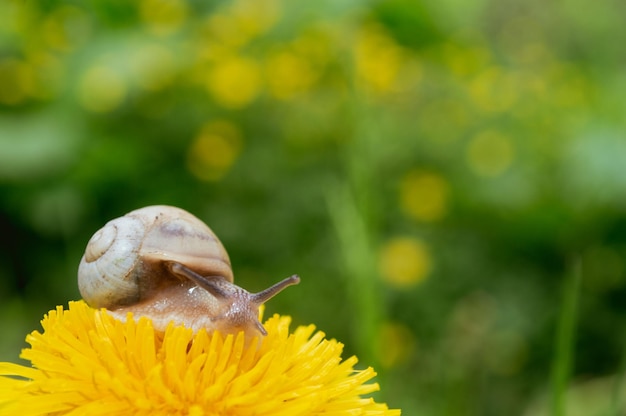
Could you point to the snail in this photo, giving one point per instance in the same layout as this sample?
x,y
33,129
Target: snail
x,y
164,263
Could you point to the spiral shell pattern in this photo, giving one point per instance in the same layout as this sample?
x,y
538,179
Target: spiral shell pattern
x,y
105,271
123,259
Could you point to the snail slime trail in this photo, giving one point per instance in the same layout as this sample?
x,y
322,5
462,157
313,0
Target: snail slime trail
x,y
163,263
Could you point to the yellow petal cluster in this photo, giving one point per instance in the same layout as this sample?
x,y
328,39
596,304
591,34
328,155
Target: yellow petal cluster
x,y
85,362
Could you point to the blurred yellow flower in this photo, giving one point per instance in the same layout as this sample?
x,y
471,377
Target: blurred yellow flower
x,y
424,195
240,21
163,17
569,88
17,81
88,363
490,153
396,344
495,90
404,262
464,61
234,82
214,150
255,17
49,74
101,89
222,31
66,28
378,60
288,75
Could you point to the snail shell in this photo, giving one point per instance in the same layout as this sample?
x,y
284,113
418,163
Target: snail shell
x,y
164,263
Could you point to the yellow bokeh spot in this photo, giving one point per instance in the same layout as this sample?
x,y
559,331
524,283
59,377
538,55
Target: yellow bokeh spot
x,y
17,81
288,75
570,88
222,30
214,150
238,23
163,17
234,82
101,89
490,153
66,28
494,90
316,46
404,262
424,195
397,344
378,60
464,61
255,17
49,74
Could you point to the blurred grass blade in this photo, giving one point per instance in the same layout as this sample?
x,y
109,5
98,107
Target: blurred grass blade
x,y
564,345
358,262
616,396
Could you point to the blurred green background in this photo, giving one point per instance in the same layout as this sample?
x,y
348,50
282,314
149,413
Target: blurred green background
x,y
447,177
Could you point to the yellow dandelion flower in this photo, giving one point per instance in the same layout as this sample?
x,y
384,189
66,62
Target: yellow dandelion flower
x,y
405,262
495,90
163,17
378,60
85,362
490,153
397,344
424,195
234,82
214,151
66,28
17,81
289,75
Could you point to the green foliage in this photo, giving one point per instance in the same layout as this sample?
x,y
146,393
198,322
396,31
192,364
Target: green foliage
x,y
562,362
428,168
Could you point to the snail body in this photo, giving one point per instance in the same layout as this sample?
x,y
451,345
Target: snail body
x,y
164,263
